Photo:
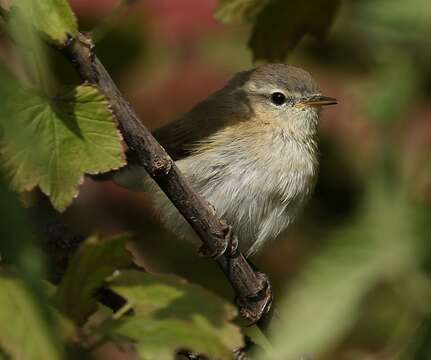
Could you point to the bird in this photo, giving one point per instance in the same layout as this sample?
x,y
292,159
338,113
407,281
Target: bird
x,y
250,149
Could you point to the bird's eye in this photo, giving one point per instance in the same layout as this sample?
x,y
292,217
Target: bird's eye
x,y
278,98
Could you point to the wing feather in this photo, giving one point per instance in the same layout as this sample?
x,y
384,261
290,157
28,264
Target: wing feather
x,y
205,119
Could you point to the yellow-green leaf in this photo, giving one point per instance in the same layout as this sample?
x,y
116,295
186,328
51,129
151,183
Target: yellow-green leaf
x,y
170,315
53,18
94,261
53,142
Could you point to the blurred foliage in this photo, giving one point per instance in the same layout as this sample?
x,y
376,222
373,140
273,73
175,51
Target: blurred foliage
x,y
279,25
168,313
171,314
23,302
91,265
353,279
14,338
128,44
379,247
396,87
282,24
239,11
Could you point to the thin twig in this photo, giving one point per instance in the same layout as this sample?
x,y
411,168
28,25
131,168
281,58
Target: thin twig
x,y
253,291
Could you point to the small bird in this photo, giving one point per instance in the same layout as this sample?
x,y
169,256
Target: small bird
x,y
250,149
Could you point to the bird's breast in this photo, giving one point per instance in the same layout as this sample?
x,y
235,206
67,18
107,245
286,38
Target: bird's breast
x,y
257,186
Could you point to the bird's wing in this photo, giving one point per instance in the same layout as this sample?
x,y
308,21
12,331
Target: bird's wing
x,y
204,120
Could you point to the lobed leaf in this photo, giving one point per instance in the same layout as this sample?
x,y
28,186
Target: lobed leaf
x,y
53,142
171,314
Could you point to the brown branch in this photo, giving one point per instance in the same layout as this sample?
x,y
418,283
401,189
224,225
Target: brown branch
x,y
253,291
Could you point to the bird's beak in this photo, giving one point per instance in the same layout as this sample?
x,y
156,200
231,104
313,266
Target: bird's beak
x,y
317,100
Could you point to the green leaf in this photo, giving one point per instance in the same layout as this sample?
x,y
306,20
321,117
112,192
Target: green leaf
x,y
24,333
94,261
30,53
281,25
239,11
170,315
24,306
53,18
324,302
65,137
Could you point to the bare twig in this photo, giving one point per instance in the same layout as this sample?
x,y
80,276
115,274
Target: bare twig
x,y
253,291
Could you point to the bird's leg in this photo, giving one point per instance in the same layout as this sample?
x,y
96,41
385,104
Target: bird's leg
x,y
258,302
231,240
227,242
262,296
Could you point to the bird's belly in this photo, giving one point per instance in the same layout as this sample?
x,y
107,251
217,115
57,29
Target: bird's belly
x,y
258,208
259,202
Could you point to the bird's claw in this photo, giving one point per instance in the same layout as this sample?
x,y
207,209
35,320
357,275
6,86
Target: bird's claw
x,y
257,304
214,252
227,243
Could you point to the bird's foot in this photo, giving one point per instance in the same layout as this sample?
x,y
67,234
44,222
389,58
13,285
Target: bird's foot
x,y
254,306
227,243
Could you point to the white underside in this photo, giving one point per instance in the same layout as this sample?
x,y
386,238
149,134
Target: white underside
x,y
258,195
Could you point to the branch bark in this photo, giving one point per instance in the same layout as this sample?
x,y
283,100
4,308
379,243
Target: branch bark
x,y
253,291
